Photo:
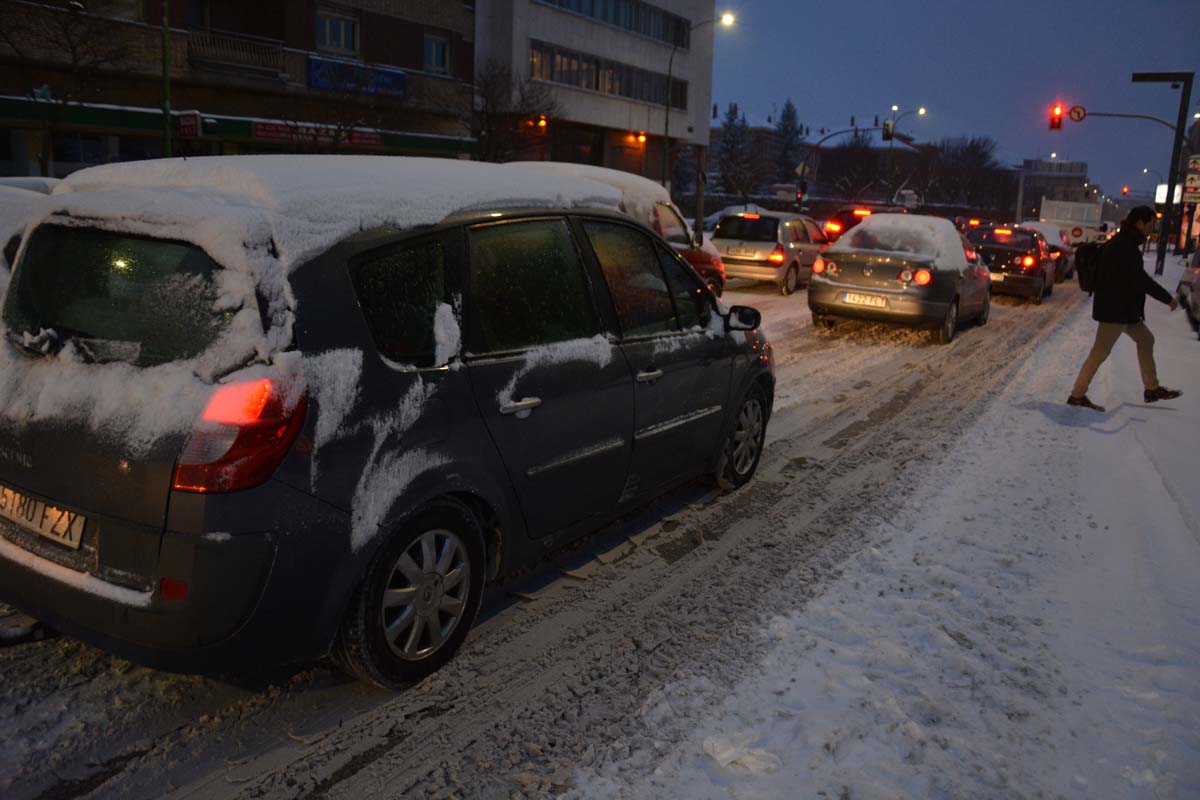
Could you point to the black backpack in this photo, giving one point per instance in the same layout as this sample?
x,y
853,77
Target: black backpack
x,y
1087,264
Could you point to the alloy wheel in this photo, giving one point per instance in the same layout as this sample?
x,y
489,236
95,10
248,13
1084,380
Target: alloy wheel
x,y
747,436
426,594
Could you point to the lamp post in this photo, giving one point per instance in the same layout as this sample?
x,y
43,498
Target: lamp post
x,y
727,21
1176,80
920,111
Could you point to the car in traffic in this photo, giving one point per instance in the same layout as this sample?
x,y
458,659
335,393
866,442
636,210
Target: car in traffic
x,y
1062,252
649,203
846,217
778,247
1188,290
1018,260
263,409
905,269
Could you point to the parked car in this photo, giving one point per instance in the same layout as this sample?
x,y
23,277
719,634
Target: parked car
x,y
1018,259
778,247
17,207
847,217
649,203
1062,252
1188,290
906,269
261,409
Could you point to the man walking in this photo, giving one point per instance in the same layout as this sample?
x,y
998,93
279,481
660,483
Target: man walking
x,y
1121,286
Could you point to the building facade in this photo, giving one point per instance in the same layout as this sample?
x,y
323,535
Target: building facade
x,y
83,83
611,66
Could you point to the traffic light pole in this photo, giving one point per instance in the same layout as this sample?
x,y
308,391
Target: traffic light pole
x,y
1185,99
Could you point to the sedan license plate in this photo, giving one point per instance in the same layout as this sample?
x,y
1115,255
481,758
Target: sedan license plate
x,y
865,300
997,276
741,251
64,527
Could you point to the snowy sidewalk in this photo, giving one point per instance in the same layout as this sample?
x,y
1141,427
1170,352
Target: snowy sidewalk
x,y
1028,624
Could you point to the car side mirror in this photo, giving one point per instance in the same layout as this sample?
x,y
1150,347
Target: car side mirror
x,y
743,318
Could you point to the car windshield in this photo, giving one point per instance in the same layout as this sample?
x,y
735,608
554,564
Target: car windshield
x,y
116,297
889,238
748,228
1006,237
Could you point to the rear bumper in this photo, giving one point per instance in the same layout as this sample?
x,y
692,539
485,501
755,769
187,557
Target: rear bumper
x,y
902,308
755,271
253,599
1017,284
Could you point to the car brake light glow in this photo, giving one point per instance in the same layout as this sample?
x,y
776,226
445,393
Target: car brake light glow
x,y
777,255
974,223
240,439
1028,261
750,216
1002,231
1055,255
923,277
833,227
818,266
862,212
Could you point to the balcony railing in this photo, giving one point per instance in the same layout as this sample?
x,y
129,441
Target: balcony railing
x,y
226,49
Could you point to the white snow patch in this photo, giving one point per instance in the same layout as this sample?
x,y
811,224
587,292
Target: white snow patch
x,y
76,580
218,537
446,334
598,350
906,234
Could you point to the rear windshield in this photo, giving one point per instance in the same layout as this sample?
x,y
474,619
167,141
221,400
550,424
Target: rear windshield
x,y
748,229
1013,238
890,238
115,297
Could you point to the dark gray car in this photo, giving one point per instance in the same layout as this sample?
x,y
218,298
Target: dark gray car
x,y
906,269
450,401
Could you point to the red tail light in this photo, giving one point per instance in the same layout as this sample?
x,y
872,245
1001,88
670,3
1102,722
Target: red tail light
x,y
1002,231
173,589
243,435
922,277
818,266
778,255
973,223
750,216
833,227
862,212
1028,261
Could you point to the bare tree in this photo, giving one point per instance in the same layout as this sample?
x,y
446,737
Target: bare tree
x,y
852,167
76,46
504,104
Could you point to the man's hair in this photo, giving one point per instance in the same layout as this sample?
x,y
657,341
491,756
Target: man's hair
x,y
1140,214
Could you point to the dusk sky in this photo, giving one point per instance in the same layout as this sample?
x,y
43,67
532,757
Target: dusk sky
x,y
981,68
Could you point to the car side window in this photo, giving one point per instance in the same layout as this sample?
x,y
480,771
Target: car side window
x,y
798,232
527,286
399,290
670,225
814,232
635,280
692,305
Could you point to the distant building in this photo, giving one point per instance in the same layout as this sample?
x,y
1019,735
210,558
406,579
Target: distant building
x,y
81,83
606,64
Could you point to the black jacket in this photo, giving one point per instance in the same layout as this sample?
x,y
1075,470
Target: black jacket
x,y
1122,282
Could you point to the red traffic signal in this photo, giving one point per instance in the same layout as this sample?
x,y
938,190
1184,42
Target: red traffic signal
x,y
1056,115
1124,190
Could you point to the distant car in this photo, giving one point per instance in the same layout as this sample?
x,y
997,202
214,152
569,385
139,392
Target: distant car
x,y
1062,252
907,269
847,217
1018,259
650,204
263,409
778,246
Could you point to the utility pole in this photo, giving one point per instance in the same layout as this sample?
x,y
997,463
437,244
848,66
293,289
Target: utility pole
x,y
166,80
1183,79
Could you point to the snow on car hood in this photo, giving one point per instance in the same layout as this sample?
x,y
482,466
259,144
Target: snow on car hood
x,y
906,235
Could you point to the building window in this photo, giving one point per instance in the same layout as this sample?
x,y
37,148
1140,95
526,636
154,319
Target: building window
x,y
437,54
549,62
337,33
632,15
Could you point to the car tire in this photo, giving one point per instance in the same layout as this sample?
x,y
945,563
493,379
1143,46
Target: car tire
x,y
1040,293
790,282
985,313
1049,288
742,446
949,327
412,576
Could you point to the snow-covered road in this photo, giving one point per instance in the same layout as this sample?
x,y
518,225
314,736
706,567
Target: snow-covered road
x,y
942,582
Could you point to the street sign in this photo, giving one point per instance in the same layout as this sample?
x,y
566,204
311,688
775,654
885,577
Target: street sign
x,y
1076,232
1191,180
1077,113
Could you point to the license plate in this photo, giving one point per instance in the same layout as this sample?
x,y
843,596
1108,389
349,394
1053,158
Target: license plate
x,y
64,527
997,276
865,300
741,251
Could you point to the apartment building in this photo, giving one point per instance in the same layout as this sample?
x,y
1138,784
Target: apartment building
x,y
611,66
83,83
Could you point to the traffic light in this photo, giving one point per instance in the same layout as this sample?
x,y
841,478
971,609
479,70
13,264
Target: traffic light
x,y
802,192
1124,190
889,129
1056,114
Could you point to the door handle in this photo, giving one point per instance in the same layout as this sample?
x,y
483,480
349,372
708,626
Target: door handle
x,y
520,407
645,376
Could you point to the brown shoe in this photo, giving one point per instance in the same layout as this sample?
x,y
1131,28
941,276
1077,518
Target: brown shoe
x,y
1160,393
1083,401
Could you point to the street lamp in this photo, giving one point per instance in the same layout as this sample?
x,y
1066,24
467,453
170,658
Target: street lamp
x,y
727,20
1147,170
919,111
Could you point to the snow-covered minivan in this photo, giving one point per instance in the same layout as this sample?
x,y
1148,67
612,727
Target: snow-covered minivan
x,y
262,409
